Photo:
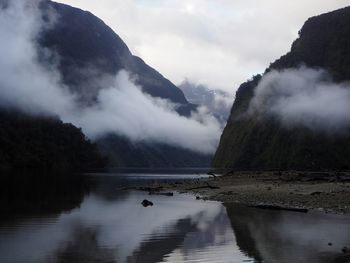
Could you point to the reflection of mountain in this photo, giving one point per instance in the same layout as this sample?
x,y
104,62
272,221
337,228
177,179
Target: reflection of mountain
x,y
157,247
244,237
121,230
284,237
41,194
83,248
111,226
188,238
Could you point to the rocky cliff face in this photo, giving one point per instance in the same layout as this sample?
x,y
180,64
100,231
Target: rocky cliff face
x,y
250,143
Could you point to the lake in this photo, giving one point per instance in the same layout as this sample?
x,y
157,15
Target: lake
x,y
90,218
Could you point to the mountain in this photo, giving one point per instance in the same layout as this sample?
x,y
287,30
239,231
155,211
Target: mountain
x,y
44,143
250,143
84,48
217,101
87,48
28,140
124,153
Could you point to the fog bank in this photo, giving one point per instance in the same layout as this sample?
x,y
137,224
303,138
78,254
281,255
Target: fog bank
x,y
303,97
121,107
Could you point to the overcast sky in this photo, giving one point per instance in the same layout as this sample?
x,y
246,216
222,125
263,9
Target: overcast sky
x,y
220,43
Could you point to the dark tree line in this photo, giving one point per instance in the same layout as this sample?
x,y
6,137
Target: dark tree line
x,y
44,143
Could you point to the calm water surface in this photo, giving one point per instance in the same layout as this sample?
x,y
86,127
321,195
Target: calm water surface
x,y
93,220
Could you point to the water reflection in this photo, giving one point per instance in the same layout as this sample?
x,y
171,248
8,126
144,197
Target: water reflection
x,y
284,237
40,193
92,220
111,226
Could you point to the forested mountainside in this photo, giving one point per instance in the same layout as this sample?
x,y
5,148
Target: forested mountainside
x,y
88,49
252,143
88,54
44,143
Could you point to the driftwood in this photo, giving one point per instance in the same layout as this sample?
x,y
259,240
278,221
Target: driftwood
x,y
145,189
275,207
165,194
316,193
212,174
204,187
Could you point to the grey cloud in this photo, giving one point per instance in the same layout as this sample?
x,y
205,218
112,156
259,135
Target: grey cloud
x,y
121,107
217,43
304,97
217,101
25,83
125,110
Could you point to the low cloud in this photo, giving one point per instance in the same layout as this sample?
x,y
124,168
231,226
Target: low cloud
x,y
303,97
217,101
121,107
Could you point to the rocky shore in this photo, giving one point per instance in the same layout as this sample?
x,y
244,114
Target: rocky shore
x,y
299,191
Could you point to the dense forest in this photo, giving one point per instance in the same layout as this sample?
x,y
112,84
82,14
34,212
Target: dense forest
x,y
45,143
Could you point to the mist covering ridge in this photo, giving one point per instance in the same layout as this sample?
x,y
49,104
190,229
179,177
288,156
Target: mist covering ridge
x,y
217,101
303,97
296,116
121,107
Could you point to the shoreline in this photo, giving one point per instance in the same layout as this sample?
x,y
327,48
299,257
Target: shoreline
x,y
298,191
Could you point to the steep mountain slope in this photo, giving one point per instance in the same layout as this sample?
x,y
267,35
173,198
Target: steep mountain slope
x,y
123,153
84,50
87,48
249,143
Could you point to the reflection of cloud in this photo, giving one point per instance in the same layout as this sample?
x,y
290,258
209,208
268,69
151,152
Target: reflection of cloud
x,y
214,240
132,231
122,225
183,229
33,240
82,247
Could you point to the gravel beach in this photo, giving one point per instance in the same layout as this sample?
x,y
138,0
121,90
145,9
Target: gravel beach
x,y
328,192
